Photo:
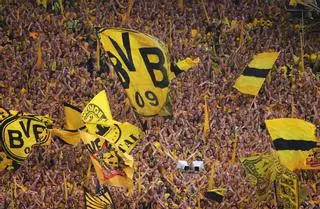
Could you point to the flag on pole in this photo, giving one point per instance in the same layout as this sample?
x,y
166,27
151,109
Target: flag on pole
x,y
295,142
255,73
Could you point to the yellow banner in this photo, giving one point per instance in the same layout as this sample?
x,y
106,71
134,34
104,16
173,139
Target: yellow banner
x,y
124,135
295,142
261,173
142,64
113,167
69,133
287,187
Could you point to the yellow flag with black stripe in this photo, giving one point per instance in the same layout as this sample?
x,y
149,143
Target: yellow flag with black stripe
x,y
73,123
98,109
255,73
295,142
20,132
216,194
183,66
113,167
98,201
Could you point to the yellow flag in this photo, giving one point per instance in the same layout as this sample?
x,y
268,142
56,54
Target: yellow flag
x,y
216,194
97,109
99,201
261,172
113,167
39,64
69,133
287,187
235,147
142,64
124,135
295,142
211,182
255,73
182,66
158,146
206,125
20,132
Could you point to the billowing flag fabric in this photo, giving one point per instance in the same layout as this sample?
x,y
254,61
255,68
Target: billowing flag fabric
x,y
98,201
295,142
97,109
287,187
124,135
182,66
142,64
216,194
113,167
255,73
73,123
261,172
20,132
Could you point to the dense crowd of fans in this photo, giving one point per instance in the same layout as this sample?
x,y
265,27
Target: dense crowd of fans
x,y
69,74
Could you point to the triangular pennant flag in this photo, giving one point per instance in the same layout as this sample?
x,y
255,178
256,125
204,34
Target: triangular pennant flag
x,y
97,109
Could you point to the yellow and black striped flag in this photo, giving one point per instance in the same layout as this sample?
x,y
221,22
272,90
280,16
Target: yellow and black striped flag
x,y
295,142
216,194
99,201
255,73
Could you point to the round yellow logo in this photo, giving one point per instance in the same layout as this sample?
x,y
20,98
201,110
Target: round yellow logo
x,y
19,134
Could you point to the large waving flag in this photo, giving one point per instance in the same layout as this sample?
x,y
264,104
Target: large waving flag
x,y
142,64
255,73
113,167
98,201
19,133
124,135
295,142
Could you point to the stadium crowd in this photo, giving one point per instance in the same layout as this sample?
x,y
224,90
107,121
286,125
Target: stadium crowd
x,y
69,73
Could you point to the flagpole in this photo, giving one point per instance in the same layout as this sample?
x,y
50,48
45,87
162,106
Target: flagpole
x,y
275,195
